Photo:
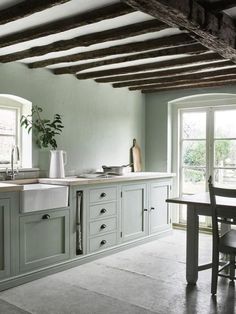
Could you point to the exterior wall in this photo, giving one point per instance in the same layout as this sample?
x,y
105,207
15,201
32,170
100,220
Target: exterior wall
x,y
100,121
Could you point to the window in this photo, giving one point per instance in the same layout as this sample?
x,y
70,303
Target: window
x,y
204,145
9,133
11,109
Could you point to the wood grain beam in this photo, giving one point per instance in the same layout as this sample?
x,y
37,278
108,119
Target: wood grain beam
x,y
185,81
173,78
190,86
218,6
143,75
26,8
158,43
87,40
188,49
68,23
151,66
216,32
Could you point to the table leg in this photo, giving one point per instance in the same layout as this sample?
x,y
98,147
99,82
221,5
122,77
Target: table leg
x,y
192,245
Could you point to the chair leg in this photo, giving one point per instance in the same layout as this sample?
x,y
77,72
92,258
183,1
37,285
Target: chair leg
x,y
232,267
214,273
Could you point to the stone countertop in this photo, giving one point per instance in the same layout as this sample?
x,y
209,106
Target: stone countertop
x,y
111,179
10,187
16,185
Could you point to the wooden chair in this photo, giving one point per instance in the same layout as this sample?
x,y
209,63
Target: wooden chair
x,y
222,243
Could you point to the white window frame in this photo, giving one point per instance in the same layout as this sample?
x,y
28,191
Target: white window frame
x,y
24,140
17,110
197,102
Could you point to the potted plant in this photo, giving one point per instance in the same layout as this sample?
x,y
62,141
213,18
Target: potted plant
x,y
45,131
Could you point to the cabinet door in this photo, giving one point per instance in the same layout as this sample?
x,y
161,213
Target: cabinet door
x,y
159,209
44,239
4,238
134,212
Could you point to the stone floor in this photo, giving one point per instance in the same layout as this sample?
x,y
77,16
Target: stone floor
x,y
146,279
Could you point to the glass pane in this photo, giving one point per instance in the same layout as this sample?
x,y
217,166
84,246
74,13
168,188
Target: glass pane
x,y
6,143
194,153
225,177
194,125
225,124
225,153
7,121
193,181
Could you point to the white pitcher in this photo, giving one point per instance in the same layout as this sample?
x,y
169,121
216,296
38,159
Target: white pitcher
x,y
58,160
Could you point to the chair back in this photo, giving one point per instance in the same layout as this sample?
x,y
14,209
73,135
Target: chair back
x,y
223,207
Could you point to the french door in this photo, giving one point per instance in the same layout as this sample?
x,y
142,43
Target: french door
x,y
207,147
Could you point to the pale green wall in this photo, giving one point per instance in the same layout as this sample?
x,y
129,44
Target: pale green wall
x,y
100,121
157,127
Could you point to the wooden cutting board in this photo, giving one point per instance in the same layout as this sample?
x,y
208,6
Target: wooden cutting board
x,y
136,156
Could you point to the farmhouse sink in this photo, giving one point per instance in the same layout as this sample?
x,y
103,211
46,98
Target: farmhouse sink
x,y
35,197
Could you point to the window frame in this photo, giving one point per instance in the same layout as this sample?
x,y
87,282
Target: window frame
x,y
18,110
24,139
212,102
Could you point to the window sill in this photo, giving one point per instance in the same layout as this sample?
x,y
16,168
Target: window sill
x,y
3,170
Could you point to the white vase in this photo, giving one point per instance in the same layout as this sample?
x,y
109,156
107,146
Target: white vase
x,y
58,159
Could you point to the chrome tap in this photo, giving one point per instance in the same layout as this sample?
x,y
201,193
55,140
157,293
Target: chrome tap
x,y
12,173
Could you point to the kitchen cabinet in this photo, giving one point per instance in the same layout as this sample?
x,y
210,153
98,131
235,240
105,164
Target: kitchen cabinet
x,y
134,214
4,237
102,218
159,213
44,238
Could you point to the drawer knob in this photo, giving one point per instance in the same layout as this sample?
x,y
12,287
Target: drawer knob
x,y
103,226
103,194
46,216
103,211
103,242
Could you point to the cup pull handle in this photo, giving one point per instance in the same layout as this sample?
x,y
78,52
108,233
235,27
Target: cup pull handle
x,y
46,216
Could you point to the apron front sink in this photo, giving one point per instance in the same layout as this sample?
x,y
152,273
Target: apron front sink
x,y
35,197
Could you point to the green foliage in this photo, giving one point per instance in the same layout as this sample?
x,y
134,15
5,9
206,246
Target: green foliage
x,y
44,129
195,155
222,149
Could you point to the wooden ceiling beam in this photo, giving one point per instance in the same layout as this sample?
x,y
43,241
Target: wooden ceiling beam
x,y
165,79
143,75
157,43
218,6
151,66
68,23
87,40
190,86
184,81
216,32
188,49
26,8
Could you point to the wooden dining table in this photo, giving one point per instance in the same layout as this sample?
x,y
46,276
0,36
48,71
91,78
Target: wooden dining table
x,y
197,204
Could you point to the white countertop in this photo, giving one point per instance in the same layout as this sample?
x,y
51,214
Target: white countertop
x,y
112,179
16,185
10,187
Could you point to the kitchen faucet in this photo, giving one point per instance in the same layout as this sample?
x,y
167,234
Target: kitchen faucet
x,y
12,173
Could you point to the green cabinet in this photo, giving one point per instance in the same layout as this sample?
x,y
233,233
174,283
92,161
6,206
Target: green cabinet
x,y
159,214
134,212
4,237
44,239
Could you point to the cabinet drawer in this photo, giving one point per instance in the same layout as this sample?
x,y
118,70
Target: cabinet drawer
x,y
102,210
103,194
103,242
102,226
